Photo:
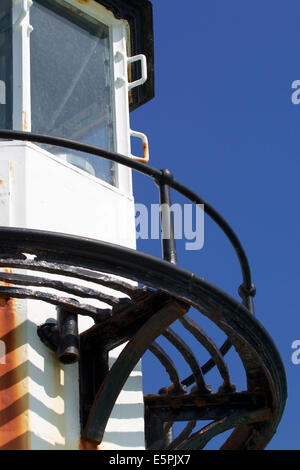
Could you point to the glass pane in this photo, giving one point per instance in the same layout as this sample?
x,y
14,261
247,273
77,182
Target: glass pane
x,y
70,82
6,64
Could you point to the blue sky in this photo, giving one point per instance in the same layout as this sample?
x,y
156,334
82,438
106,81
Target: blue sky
x,y
223,122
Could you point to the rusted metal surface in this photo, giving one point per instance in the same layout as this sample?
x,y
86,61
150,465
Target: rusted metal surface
x,y
20,279
189,356
145,145
125,322
64,302
182,436
19,260
166,294
121,369
202,406
208,343
68,339
168,364
86,445
198,440
14,399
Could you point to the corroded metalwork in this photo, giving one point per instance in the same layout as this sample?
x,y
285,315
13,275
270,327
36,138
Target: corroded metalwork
x,y
140,314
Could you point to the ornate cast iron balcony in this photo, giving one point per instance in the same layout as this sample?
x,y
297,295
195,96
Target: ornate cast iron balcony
x,y
138,313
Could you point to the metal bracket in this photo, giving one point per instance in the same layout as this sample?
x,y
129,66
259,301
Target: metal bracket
x,y
142,59
61,336
145,142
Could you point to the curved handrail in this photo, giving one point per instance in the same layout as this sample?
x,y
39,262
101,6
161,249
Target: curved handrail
x,y
247,289
234,318
231,316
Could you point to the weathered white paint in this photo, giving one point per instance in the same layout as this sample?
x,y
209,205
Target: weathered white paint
x,y
5,189
125,428
40,191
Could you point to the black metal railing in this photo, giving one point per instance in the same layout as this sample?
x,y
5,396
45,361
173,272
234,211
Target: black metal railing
x,y
147,314
164,180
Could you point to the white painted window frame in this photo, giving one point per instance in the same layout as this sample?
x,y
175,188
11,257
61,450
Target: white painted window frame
x,y
119,60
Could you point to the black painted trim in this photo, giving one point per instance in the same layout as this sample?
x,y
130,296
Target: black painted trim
x,y
139,15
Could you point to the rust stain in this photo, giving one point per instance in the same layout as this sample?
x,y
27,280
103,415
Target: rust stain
x,y
146,152
1,181
24,120
199,402
4,300
88,445
14,401
8,271
83,1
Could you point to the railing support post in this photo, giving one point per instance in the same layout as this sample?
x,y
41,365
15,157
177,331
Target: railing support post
x,y
68,346
247,294
166,217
